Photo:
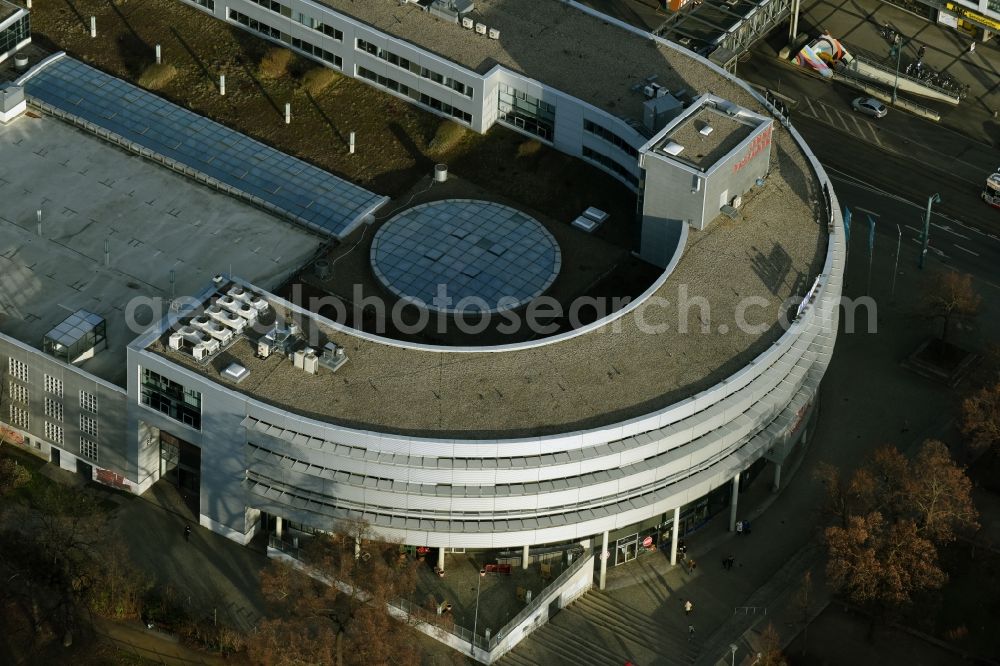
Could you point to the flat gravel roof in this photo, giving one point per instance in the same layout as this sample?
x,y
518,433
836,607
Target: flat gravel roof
x,y
618,371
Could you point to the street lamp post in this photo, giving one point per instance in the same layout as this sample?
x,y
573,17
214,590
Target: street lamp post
x,y
898,47
931,200
475,621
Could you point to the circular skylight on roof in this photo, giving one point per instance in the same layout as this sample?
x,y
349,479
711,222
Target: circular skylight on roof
x,y
461,255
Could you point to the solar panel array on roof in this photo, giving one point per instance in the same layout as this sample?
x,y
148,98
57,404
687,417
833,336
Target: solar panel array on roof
x,y
296,189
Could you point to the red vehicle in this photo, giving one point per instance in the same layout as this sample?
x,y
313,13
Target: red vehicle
x,y
991,193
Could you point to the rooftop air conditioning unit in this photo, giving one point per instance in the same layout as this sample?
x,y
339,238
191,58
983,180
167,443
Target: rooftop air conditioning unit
x,y
310,363
247,311
494,33
467,23
201,352
221,333
481,28
333,356
259,304
684,41
176,340
226,301
737,201
299,358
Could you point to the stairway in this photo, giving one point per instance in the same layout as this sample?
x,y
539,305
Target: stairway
x,y
597,630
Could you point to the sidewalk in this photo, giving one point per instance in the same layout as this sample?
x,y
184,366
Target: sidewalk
x,y
152,645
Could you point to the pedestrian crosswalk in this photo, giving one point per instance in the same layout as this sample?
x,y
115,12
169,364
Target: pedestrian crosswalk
x,y
846,120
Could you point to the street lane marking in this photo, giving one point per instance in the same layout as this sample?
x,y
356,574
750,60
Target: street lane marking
x,y
932,249
945,227
959,247
853,181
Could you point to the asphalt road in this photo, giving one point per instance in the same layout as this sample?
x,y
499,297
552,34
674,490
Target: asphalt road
x,y
899,224
887,168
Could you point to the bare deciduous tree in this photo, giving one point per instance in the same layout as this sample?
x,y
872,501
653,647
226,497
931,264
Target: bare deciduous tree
x,y
317,621
952,297
981,418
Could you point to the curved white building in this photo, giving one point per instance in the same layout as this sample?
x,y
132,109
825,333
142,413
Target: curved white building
x,y
643,422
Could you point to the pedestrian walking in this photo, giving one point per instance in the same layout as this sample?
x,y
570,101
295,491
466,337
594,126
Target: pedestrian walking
x,y
690,633
688,607
972,47
187,532
729,561
746,527
739,527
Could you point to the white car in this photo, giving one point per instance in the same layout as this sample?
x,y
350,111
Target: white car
x,y
870,107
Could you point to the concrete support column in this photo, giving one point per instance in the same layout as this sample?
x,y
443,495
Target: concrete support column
x,y
777,477
278,526
441,558
524,557
733,503
674,535
604,560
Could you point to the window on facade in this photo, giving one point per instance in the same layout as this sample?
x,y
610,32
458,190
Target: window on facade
x,y
53,386
610,137
329,31
168,397
14,34
88,425
88,448
88,401
404,63
606,161
524,112
18,369
18,392
19,417
318,52
207,4
271,5
53,409
53,433
254,24
993,6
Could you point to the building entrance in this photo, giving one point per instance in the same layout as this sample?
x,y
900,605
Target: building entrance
x,y
626,549
180,464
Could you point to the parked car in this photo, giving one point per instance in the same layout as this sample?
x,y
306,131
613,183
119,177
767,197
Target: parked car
x,y
870,107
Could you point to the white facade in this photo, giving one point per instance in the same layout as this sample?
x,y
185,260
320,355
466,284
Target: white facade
x,y
475,105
